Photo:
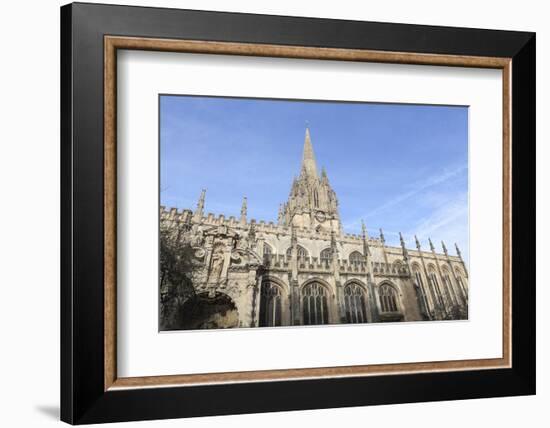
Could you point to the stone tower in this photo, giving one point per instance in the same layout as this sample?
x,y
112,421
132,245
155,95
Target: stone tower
x,y
312,203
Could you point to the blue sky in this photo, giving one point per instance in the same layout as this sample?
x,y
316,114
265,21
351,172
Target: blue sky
x,y
399,167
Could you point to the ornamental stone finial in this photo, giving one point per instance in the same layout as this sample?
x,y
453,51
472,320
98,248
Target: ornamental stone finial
x,y
382,239
365,236
243,210
402,241
199,212
458,251
418,247
444,248
431,244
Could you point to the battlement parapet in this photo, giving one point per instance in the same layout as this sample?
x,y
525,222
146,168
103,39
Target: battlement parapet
x,y
173,217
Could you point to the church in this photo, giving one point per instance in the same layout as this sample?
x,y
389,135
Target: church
x,y
305,270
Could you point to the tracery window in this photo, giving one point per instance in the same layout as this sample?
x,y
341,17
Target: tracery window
x,y
355,303
267,252
418,277
356,257
271,305
460,282
326,256
397,267
388,298
447,282
314,304
302,252
435,284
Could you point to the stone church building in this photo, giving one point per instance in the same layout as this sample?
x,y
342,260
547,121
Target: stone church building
x,y
305,270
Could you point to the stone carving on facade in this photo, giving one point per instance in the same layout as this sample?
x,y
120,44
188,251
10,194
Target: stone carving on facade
x,y
216,265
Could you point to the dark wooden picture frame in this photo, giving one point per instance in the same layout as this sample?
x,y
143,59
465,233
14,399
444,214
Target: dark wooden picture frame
x,y
90,389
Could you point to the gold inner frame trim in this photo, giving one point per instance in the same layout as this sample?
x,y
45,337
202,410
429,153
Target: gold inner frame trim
x,y
113,43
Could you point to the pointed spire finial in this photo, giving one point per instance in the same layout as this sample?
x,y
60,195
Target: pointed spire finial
x,y
382,237
200,204
366,249
417,243
243,210
405,252
444,248
431,244
309,165
458,251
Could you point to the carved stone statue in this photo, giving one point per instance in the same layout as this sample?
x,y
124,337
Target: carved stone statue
x,y
216,265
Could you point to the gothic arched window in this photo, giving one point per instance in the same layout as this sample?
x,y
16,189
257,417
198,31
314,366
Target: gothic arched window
x,y
356,257
326,256
418,277
447,281
271,305
388,298
460,281
435,284
314,304
267,252
354,303
302,252
396,267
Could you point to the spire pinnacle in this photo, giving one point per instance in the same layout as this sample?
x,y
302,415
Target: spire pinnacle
x,y
309,166
200,204
243,210
382,237
403,247
431,244
417,243
365,234
458,251
444,248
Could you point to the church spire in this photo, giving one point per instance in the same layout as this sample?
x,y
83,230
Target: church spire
x,y
309,166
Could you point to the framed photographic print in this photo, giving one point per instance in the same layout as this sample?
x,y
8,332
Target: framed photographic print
x,y
265,213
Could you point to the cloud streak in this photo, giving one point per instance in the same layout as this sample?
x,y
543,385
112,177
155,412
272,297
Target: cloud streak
x,y
420,187
448,222
417,188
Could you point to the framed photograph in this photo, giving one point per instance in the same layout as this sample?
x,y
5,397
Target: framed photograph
x,y
265,213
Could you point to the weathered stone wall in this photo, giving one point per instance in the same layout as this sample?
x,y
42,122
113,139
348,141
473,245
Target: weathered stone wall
x,y
234,264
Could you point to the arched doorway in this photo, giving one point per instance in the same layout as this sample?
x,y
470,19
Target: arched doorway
x,y
208,312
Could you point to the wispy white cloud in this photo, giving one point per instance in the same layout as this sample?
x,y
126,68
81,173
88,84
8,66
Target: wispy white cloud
x,y
415,189
448,222
419,187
